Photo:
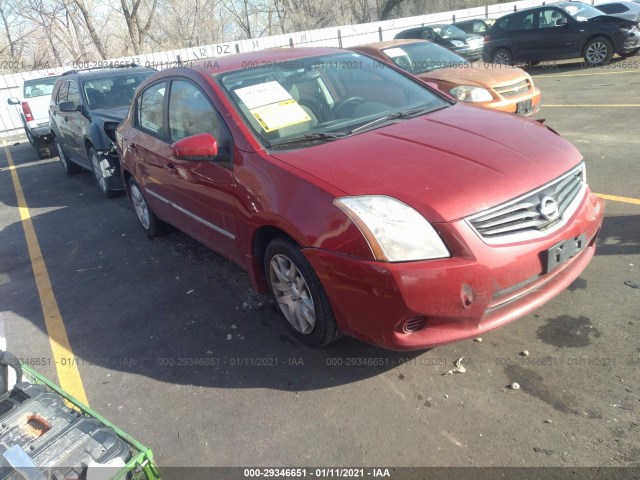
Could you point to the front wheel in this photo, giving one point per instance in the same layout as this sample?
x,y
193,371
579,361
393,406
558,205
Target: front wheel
x,y
598,51
99,175
152,225
300,296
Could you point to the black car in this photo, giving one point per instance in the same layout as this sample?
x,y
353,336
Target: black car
x,y
86,106
626,10
475,26
559,31
449,36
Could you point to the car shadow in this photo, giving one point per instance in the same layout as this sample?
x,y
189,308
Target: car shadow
x,y
167,308
619,236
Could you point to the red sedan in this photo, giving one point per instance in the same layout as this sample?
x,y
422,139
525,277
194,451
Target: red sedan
x,y
367,203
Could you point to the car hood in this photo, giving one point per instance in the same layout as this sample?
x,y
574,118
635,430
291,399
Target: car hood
x,y
485,75
613,19
116,114
448,164
462,38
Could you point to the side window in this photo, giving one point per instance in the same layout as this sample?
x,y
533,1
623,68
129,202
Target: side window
x,y
549,17
190,111
150,108
529,21
479,27
62,93
73,94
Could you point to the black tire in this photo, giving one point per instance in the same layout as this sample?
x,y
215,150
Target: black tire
x,y
43,151
598,51
306,295
30,137
103,183
69,167
502,56
150,223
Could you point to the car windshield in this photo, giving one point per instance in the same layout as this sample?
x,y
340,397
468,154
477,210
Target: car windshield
x,y
421,57
581,11
446,31
323,98
113,91
39,87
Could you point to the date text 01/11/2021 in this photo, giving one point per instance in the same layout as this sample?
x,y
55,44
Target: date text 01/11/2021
x,y
316,472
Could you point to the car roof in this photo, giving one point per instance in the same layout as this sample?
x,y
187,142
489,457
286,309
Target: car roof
x,y
106,72
389,43
228,63
559,4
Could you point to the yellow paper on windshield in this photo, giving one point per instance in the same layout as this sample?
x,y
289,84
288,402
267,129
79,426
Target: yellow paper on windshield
x,y
279,115
272,106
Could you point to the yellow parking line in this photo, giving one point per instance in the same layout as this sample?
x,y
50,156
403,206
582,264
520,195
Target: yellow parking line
x,y
66,367
615,198
581,74
606,105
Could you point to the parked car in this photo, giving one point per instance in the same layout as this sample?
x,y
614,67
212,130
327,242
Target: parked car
x,y
86,106
453,38
475,26
560,31
365,201
626,10
33,110
485,85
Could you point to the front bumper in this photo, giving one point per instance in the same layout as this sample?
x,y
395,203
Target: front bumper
x,y
110,166
510,105
480,288
631,42
468,52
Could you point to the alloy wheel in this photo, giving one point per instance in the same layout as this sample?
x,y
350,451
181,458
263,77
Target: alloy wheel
x,y
292,294
98,173
140,206
597,53
502,58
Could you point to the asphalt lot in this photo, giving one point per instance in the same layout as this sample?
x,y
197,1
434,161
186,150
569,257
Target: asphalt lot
x,y
140,313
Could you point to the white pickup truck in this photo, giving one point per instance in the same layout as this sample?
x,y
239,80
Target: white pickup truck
x,y
34,112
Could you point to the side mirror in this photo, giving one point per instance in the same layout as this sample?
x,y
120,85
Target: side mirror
x,y
561,21
13,101
201,147
68,107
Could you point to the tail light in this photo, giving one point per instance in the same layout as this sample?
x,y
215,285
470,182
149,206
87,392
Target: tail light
x,y
487,38
26,109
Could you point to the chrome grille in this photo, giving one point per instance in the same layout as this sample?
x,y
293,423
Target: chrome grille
x,y
514,89
527,216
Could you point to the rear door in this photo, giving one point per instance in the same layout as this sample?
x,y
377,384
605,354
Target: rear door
x,y
525,35
59,125
147,147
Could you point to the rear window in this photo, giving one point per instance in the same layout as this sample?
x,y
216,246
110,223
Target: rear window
x,y
39,87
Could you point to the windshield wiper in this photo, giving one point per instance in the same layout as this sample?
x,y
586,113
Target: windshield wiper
x,y
309,137
414,112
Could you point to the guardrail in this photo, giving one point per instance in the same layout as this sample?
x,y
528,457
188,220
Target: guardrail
x,y
343,36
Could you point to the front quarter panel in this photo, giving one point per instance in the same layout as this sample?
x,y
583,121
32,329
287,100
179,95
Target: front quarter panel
x,y
274,195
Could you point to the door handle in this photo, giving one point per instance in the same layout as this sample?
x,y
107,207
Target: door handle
x,y
66,119
133,148
170,168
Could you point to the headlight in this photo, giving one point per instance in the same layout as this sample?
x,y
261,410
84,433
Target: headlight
x,y
457,43
394,230
469,93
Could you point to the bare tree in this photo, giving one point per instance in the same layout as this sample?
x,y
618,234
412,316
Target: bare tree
x,y
133,16
7,13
